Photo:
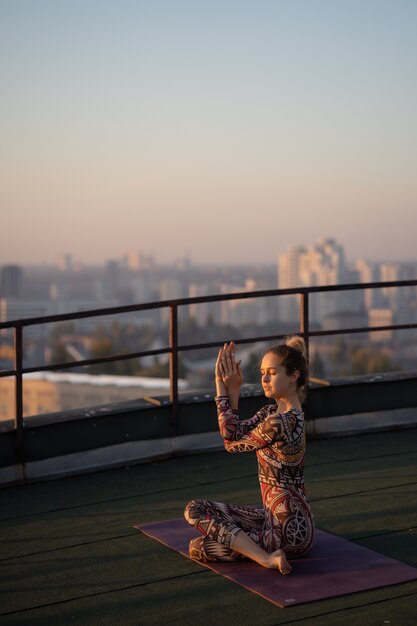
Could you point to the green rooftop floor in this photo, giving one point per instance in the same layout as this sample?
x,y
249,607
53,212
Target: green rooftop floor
x,y
69,554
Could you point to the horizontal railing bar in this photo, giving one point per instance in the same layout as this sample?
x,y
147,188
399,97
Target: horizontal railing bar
x,y
201,346
217,344
65,317
202,299
131,355
98,361
362,329
4,373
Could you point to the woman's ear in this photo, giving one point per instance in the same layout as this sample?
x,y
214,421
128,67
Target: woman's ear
x,y
295,375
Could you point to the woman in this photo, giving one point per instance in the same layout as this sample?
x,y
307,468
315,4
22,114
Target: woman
x,y
283,528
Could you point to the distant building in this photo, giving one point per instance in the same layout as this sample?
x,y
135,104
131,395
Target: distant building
x,y
368,272
112,279
227,306
390,272
202,311
141,288
398,298
322,263
345,319
288,278
139,261
11,309
380,317
169,289
183,263
11,278
86,325
247,310
65,262
49,392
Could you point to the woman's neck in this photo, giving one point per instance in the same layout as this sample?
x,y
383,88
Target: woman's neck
x,y
288,403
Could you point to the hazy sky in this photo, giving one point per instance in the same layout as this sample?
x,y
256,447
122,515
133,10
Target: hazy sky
x,y
225,129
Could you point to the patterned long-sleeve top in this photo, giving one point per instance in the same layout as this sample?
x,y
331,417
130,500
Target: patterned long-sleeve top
x,y
270,431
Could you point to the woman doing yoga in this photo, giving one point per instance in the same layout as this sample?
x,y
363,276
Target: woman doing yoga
x,y
283,528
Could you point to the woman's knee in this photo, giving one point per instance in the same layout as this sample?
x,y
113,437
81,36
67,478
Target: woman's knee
x,y
190,511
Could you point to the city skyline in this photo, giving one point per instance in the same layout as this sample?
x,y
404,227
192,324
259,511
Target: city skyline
x,y
39,292
141,260
226,132
79,264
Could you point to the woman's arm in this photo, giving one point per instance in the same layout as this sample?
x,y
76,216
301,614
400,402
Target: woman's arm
x,y
230,426
264,429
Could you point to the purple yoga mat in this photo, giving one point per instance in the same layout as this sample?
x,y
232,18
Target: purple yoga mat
x,y
333,567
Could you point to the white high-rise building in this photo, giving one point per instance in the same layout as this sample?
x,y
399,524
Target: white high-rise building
x,y
368,272
169,289
390,271
322,263
289,277
400,299
141,287
200,312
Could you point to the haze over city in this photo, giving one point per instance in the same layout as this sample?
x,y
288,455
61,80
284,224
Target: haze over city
x,y
226,131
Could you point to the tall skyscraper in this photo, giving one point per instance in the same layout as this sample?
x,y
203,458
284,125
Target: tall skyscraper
x,y
398,298
321,263
169,289
11,281
368,272
289,277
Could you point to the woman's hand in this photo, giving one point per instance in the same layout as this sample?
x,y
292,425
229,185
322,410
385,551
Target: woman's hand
x,y
228,370
217,372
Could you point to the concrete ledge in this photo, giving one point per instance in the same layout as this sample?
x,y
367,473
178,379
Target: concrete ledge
x,y
135,452
344,425
12,474
110,457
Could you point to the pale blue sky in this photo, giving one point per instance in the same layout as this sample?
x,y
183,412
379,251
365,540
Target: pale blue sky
x,y
229,130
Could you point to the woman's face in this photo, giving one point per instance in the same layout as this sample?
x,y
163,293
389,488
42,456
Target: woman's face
x,y
275,381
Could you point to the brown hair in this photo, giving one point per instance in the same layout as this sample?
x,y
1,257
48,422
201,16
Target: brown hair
x,y
293,354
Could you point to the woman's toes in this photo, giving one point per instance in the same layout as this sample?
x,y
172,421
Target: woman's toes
x,y
279,560
285,569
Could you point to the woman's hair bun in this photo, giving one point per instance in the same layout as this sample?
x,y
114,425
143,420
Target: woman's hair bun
x,y
298,343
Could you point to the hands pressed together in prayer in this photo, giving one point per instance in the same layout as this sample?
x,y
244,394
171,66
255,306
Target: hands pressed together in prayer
x,y
228,373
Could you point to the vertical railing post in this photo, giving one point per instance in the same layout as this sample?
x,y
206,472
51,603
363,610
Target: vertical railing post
x,y
173,361
304,321
18,365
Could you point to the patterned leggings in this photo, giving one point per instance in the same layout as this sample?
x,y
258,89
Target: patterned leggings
x,y
219,523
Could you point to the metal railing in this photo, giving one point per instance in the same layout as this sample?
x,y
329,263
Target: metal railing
x,y
174,348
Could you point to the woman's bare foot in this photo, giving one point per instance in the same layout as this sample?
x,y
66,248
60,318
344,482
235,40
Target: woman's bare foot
x,y
278,560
